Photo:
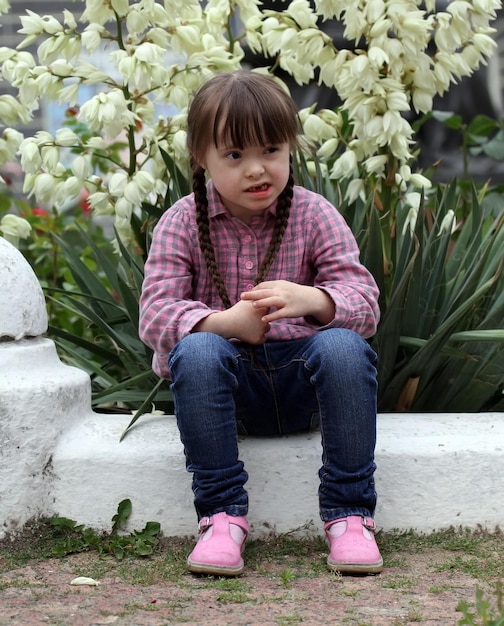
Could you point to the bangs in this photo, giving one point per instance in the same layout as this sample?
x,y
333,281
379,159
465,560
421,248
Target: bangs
x,y
251,116
241,109
245,122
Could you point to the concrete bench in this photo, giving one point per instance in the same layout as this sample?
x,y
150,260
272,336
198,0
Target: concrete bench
x,y
434,471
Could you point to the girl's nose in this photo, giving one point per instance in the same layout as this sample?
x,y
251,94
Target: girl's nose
x,y
255,168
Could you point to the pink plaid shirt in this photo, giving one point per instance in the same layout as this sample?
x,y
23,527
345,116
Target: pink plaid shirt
x,y
318,249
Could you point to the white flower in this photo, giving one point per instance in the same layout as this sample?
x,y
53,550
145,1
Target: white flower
x,y
91,37
99,201
66,137
410,222
96,144
72,187
345,165
302,13
186,38
97,12
355,189
81,167
117,183
448,223
31,159
14,228
50,157
44,187
9,143
376,164
107,111
12,111
328,148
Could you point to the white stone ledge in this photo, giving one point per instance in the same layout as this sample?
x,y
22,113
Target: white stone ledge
x,y
434,471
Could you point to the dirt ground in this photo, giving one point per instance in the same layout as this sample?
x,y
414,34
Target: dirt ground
x,y
278,589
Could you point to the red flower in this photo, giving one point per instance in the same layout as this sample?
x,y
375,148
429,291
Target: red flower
x,y
83,203
39,211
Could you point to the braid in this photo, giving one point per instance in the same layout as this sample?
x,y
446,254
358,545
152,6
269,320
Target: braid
x,y
282,217
205,241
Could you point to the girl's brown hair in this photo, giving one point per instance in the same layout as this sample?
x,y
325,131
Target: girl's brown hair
x,y
240,109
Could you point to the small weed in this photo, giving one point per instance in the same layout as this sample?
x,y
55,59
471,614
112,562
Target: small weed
x,y
400,582
414,616
234,597
287,575
348,593
231,585
72,537
485,615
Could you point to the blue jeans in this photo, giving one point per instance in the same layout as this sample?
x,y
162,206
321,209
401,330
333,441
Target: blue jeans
x,y
222,389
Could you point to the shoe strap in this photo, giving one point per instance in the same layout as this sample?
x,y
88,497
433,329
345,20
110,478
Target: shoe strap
x,y
204,524
369,523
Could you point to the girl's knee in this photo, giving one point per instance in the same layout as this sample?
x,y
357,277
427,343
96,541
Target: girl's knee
x,y
198,350
345,349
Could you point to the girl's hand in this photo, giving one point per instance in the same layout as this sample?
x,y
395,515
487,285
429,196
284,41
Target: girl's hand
x,y
283,299
243,321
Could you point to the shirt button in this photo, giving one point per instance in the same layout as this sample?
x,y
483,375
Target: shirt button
x,y
247,239
249,287
249,265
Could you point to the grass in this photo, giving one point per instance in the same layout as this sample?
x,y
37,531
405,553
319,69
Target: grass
x,y
286,557
282,571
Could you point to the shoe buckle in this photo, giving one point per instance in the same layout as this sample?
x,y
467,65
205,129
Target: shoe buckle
x,y
369,523
204,523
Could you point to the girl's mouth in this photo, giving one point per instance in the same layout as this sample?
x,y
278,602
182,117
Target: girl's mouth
x,y
262,187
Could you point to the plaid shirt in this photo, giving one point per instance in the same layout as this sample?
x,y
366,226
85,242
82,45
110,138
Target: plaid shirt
x,y
318,249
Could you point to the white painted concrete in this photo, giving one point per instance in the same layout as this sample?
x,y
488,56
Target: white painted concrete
x,y
22,305
40,398
57,457
434,471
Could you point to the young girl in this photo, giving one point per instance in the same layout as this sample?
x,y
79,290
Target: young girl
x,y
257,308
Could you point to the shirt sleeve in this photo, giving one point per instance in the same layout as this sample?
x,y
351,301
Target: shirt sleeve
x,y
167,311
340,273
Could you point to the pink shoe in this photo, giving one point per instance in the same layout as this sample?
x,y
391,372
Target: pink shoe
x,y
220,546
353,546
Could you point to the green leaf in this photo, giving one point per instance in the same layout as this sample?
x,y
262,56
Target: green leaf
x,y
449,119
144,408
482,125
123,514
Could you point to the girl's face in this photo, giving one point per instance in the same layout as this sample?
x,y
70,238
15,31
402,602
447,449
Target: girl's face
x,y
248,180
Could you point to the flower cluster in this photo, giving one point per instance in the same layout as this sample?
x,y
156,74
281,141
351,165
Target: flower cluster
x,y
157,52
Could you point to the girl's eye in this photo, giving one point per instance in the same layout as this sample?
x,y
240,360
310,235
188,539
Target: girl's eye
x,y
233,155
271,149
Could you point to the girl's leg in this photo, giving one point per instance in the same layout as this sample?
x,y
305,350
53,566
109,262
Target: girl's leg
x,y
342,369
204,368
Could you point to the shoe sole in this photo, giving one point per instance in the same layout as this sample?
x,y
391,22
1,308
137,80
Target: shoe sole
x,y
356,568
214,570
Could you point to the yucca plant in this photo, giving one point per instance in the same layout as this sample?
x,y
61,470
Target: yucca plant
x,y
441,338
117,361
